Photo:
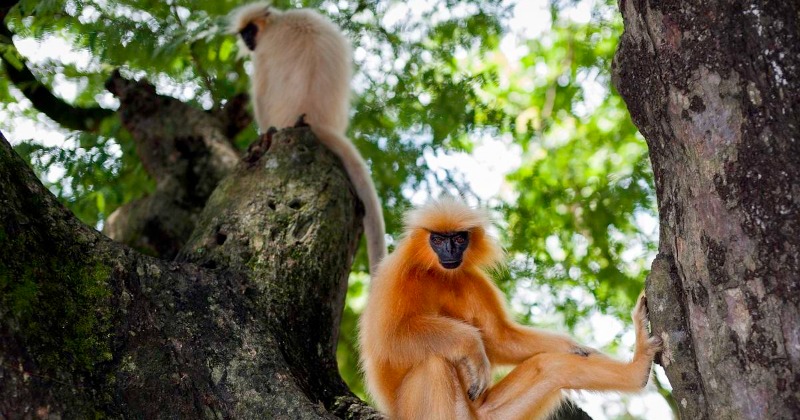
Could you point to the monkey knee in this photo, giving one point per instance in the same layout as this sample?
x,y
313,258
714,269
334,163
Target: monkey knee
x,y
438,367
551,368
428,391
438,374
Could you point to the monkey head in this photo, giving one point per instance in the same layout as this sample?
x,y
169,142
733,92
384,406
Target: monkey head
x,y
248,34
249,22
448,235
449,247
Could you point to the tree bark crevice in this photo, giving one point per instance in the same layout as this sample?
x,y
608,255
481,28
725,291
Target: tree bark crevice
x,y
667,309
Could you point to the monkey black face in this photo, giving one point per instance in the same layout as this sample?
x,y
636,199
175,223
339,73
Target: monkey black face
x,y
248,34
450,247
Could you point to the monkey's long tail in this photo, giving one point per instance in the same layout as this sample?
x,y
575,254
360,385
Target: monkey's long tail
x,y
374,227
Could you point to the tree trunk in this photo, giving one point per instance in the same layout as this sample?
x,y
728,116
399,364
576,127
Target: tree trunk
x,y
187,151
90,328
713,87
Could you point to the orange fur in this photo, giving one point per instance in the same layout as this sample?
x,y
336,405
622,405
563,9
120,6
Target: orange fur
x,y
430,334
302,65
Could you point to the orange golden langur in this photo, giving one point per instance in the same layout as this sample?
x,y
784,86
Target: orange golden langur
x,y
435,325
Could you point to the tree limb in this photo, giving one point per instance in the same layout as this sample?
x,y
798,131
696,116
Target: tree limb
x,y
186,150
91,328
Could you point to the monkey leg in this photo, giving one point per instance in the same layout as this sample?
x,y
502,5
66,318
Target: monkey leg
x,y
432,390
533,388
301,121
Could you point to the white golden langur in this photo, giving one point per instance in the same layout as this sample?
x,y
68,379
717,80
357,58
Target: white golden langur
x,y
435,325
302,65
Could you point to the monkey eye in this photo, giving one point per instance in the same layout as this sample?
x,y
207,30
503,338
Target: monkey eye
x,y
436,240
460,240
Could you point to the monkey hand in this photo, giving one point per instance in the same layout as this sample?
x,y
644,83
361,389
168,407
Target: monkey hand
x,y
646,346
475,371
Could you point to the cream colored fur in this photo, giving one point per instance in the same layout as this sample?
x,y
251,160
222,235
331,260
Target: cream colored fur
x,y
303,66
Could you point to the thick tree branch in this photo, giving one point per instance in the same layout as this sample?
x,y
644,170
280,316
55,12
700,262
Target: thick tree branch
x,y
186,150
261,223
68,116
90,328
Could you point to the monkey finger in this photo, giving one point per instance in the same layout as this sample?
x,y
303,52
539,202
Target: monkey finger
x,y
465,373
483,379
473,377
475,391
477,388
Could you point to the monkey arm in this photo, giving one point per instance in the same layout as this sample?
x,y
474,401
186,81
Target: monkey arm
x,y
514,343
419,336
510,343
457,342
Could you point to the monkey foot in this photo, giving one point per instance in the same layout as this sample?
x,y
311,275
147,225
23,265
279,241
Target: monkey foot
x,y
260,146
301,121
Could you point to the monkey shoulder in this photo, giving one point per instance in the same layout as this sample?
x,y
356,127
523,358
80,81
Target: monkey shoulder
x,y
311,22
404,297
478,284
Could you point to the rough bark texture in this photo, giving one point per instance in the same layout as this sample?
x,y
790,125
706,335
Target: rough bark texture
x,y
713,87
187,151
90,328
283,247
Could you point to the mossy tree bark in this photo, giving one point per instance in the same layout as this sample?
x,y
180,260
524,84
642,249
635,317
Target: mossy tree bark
x,y
713,87
244,326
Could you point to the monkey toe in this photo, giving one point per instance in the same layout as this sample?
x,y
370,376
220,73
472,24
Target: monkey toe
x,y
646,379
301,121
259,147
